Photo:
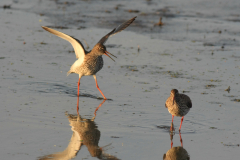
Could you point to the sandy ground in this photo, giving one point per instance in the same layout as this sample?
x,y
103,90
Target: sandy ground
x,y
195,51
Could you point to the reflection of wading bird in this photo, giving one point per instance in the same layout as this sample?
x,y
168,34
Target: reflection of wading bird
x,y
89,63
176,153
85,132
178,105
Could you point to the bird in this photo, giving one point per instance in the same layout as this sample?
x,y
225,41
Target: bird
x,y
89,62
178,105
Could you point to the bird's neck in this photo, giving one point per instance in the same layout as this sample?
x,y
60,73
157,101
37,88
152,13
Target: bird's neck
x,y
176,97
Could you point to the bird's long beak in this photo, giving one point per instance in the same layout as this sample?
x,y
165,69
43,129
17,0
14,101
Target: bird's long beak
x,y
107,54
173,100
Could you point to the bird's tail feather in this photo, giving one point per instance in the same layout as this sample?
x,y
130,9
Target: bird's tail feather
x,y
69,72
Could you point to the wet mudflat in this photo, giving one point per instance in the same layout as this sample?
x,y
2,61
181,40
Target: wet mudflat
x,y
196,51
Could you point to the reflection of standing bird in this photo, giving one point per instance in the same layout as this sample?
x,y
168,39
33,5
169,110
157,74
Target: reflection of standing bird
x,y
176,153
178,105
85,132
89,63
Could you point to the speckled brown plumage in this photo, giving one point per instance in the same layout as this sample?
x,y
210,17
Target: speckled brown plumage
x,y
178,104
90,66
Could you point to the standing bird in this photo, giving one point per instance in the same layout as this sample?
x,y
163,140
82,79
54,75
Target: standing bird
x,y
178,105
89,62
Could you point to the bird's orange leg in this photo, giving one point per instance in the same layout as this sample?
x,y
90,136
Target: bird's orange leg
x,y
181,139
171,138
94,76
77,104
172,128
181,124
78,95
78,87
95,113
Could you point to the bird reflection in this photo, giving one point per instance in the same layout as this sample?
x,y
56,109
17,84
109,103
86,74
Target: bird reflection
x,y
85,132
176,153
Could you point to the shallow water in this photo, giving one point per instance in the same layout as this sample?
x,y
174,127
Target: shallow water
x,y
195,51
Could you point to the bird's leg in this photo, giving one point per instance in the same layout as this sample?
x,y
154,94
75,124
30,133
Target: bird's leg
x,y
94,76
171,138
180,139
78,94
78,87
172,127
95,113
181,124
78,104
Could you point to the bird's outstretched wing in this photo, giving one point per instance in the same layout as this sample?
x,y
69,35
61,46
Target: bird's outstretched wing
x,y
116,30
77,45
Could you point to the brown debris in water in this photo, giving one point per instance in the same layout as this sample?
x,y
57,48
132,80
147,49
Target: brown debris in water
x,y
160,23
133,11
228,89
236,100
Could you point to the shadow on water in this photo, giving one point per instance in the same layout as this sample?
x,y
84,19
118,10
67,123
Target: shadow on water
x,y
85,133
168,129
176,153
44,87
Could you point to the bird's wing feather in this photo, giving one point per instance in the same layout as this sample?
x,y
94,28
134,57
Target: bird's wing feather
x,y
116,30
77,45
187,99
189,104
105,38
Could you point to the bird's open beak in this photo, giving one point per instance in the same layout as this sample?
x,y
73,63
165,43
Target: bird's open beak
x,y
107,54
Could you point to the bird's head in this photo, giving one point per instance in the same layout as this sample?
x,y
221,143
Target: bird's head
x,y
100,49
174,94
